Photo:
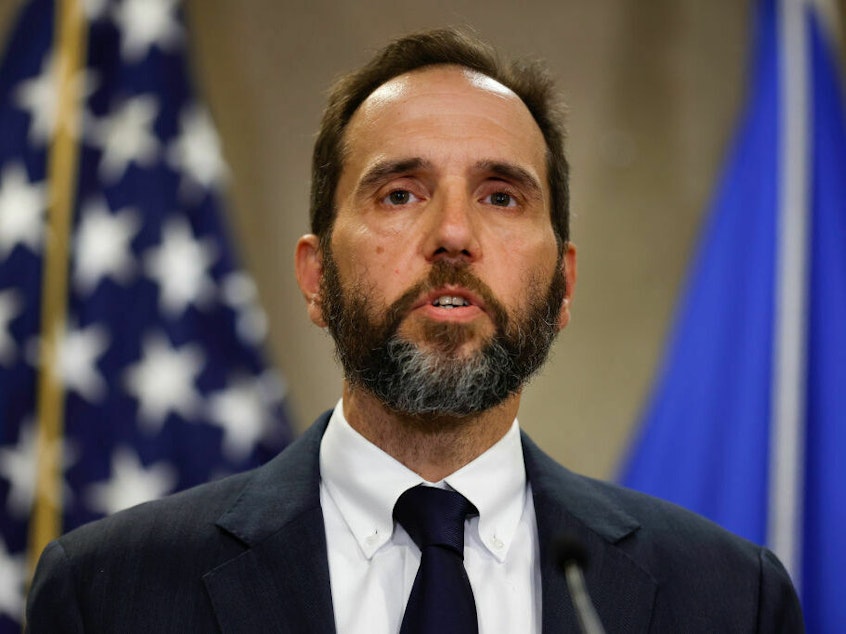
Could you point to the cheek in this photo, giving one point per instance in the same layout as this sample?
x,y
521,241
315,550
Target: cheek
x,y
520,262
380,264
383,260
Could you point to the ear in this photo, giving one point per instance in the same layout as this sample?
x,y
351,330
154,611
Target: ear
x,y
308,263
568,266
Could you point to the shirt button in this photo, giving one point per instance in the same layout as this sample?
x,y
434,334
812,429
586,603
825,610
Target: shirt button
x,y
497,543
372,539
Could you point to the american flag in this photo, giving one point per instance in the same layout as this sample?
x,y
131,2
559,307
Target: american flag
x,y
164,384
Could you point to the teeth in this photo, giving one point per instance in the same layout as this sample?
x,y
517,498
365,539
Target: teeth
x,y
450,301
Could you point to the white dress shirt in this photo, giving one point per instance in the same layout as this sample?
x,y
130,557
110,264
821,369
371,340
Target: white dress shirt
x,y
373,562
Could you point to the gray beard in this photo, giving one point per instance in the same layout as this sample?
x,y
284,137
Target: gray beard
x,y
418,382
435,380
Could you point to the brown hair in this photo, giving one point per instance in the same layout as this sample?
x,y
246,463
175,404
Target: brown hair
x,y
529,80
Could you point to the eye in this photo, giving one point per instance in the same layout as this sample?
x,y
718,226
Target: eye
x,y
399,197
501,199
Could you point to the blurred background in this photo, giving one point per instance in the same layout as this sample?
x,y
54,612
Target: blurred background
x,y
654,91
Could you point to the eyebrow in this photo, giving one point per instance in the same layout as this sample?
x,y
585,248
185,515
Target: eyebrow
x,y
385,170
513,173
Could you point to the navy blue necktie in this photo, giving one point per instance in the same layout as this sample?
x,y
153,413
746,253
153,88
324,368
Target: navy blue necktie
x,y
441,600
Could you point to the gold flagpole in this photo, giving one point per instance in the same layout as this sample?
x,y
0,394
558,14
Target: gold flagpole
x,y
62,162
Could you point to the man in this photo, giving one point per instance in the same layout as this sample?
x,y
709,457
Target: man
x,y
440,261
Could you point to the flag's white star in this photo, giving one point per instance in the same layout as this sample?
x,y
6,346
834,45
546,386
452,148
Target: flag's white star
x,y
163,381
196,152
239,291
242,411
102,245
76,361
12,577
126,135
144,23
22,206
19,466
131,483
10,307
180,266
40,96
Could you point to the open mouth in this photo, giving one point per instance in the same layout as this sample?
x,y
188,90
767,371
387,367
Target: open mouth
x,y
450,301
455,305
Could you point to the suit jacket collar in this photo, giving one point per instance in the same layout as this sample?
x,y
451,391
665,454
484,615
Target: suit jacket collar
x,y
569,504
280,582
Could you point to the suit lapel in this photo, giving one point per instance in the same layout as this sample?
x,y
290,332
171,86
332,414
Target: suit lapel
x,y
622,591
278,581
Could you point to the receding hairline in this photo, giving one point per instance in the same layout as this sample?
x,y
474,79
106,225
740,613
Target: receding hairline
x,y
529,78
476,78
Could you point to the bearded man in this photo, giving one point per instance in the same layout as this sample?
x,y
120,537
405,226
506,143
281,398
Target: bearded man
x,y
440,261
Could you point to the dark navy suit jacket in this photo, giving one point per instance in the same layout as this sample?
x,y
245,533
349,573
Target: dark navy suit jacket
x,y
248,554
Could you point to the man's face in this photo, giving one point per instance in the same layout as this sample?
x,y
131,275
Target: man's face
x,y
443,268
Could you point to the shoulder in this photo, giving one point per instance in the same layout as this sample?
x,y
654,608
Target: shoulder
x,y
667,532
157,552
179,528
616,512
647,527
698,570
192,518
184,523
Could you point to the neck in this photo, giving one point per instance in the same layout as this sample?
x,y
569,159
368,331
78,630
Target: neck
x,y
432,446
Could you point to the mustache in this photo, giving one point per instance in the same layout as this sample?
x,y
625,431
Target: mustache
x,y
441,274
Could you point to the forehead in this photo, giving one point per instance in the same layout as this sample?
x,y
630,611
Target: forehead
x,y
446,107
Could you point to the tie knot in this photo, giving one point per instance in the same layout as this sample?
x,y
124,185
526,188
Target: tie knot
x,y
434,517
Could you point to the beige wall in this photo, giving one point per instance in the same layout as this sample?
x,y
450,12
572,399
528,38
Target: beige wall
x,y
654,89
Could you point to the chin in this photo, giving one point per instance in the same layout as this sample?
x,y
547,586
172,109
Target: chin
x,y
452,338
455,340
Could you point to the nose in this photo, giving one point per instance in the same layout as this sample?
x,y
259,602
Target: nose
x,y
453,230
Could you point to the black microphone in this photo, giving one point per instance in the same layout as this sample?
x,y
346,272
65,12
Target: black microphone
x,y
571,557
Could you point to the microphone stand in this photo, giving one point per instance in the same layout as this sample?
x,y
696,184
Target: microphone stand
x,y
571,558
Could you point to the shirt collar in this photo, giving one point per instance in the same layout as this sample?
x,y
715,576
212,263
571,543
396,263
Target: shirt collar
x,y
365,483
495,482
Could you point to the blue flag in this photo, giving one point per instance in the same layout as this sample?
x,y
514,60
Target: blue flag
x,y
747,423
164,382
